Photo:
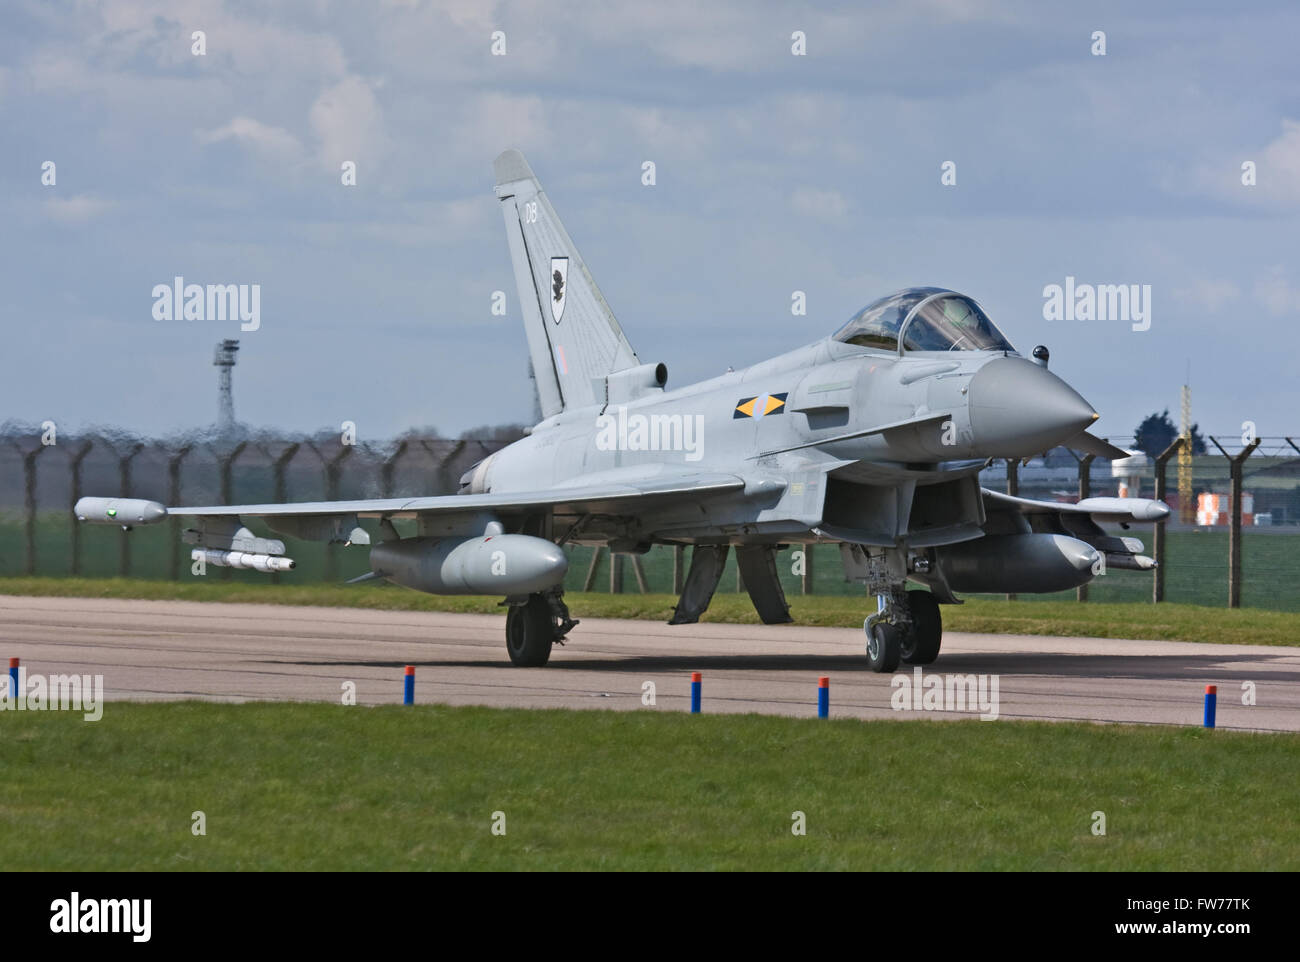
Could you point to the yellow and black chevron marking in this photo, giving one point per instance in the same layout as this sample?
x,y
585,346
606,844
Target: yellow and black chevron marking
x,y
761,406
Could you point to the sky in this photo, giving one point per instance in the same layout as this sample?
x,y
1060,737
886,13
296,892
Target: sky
x,y
774,173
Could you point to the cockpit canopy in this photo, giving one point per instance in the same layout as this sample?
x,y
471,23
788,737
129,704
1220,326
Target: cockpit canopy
x,y
923,319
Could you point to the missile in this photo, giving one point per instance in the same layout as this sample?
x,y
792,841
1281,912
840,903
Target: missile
x,y
497,564
242,559
1125,509
123,511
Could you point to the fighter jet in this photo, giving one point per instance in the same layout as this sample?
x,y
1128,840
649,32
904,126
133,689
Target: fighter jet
x,y
871,438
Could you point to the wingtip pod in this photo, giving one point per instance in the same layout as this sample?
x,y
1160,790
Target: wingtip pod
x,y
124,511
511,166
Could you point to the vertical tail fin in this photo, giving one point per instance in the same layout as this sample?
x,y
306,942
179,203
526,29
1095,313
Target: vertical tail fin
x,y
573,338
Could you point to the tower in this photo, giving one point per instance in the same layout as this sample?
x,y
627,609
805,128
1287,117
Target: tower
x,y
223,360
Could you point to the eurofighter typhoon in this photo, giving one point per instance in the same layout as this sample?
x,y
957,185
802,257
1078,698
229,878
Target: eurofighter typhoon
x,y
871,438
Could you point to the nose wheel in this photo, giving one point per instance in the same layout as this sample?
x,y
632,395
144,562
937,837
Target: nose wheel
x,y
906,627
884,646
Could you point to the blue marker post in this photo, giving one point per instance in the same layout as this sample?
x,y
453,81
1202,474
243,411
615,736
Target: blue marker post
x,y
408,692
1211,696
13,680
823,697
696,685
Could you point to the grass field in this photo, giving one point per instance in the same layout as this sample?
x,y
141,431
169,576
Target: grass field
x,y
322,787
1196,570
1167,622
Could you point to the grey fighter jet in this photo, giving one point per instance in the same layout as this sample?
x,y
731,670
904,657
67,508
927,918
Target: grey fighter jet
x,y
871,438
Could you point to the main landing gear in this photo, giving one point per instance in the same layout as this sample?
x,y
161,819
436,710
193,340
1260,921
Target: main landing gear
x,y
534,624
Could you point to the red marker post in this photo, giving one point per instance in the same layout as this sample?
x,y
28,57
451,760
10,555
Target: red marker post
x,y
1211,696
696,685
823,697
408,692
13,679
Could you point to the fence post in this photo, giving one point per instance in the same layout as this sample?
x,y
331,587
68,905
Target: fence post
x,y
590,581
1234,519
279,465
224,468
806,579
1013,489
679,564
29,509
615,573
1085,491
332,469
74,547
446,483
1158,537
387,467
174,498
124,491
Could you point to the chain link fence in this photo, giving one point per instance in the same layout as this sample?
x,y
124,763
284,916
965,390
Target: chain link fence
x,y
39,482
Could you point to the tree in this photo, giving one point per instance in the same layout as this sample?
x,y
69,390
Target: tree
x,y
1157,432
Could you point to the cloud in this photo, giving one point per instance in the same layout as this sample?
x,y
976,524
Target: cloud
x,y
821,204
1279,167
348,123
1208,293
77,209
271,142
1277,172
1275,292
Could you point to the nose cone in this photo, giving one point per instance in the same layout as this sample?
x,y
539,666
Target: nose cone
x,y
1018,408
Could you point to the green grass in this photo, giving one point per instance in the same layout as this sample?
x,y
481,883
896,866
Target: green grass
x,y
1167,622
324,787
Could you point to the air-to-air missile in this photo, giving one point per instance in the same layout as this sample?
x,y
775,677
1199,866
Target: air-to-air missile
x,y
243,559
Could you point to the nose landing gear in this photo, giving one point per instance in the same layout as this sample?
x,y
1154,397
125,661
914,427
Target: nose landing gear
x,y
907,625
885,631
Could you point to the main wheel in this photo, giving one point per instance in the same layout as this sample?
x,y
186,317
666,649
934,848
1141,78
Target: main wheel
x,y
921,645
883,645
530,631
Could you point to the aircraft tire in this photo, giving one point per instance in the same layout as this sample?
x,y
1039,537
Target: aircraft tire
x,y
530,631
921,644
883,647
